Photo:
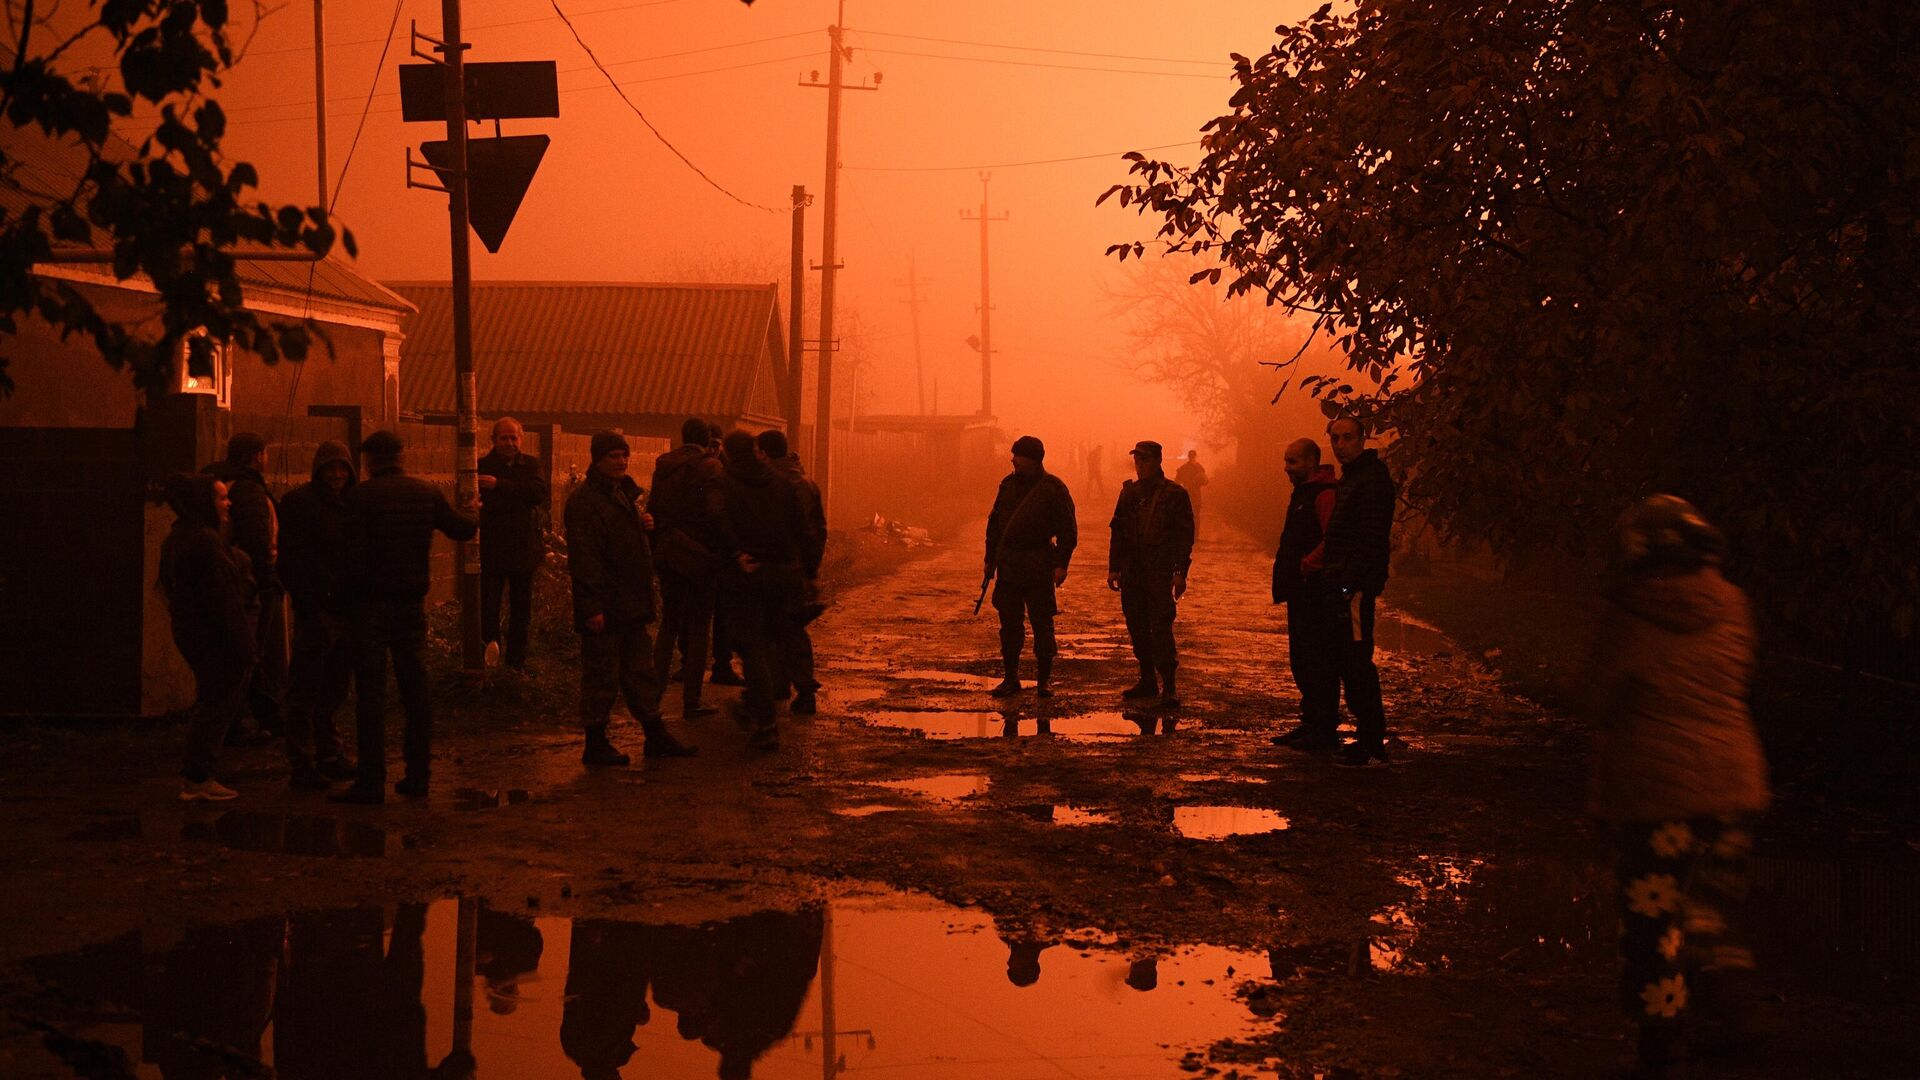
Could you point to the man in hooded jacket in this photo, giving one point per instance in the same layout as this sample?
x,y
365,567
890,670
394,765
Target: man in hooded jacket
x,y
793,649
212,605
312,566
254,527
767,546
684,502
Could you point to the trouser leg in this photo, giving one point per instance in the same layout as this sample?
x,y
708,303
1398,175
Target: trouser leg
x,y
490,586
219,698
1013,631
416,696
599,677
673,617
1147,600
1133,608
703,630
1040,615
747,626
336,678
304,674
370,699
519,617
1359,675
634,669
1313,652
267,687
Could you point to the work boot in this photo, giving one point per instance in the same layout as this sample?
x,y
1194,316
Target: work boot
x,y
1010,685
804,703
1145,688
600,751
1043,677
724,675
660,744
412,786
1169,697
690,707
306,776
1356,756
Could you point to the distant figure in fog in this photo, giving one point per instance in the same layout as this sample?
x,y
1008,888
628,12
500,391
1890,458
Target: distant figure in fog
x,y
1097,472
254,527
313,537
684,504
513,492
1313,606
767,545
1359,541
612,569
1147,561
390,525
1193,476
1031,534
210,597
793,646
1678,770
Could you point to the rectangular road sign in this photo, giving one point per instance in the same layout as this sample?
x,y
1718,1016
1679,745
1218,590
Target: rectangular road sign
x,y
502,90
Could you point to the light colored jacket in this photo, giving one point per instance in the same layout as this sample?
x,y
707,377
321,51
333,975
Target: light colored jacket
x,y
1673,737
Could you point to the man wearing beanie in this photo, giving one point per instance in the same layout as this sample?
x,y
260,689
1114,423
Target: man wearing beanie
x,y
1031,534
612,569
1147,561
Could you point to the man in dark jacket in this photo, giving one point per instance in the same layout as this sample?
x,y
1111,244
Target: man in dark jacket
x,y
765,541
1359,541
1299,581
210,599
1147,561
513,492
1192,476
612,569
1031,534
313,535
390,525
254,528
684,502
723,651
793,647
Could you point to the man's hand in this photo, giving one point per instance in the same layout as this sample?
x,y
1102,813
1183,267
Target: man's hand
x,y
1059,576
1179,584
747,562
488,483
646,521
1113,582
596,624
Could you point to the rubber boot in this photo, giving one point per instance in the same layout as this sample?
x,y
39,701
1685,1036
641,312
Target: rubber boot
x,y
600,751
1043,674
661,744
1169,697
1010,685
1145,688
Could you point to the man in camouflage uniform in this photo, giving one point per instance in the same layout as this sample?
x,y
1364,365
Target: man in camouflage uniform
x,y
1147,561
1031,534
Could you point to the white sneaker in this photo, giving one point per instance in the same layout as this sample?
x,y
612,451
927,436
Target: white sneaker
x,y
207,791
492,659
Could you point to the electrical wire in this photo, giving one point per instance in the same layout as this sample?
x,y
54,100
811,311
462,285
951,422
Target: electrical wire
x,y
715,184
1039,49
1013,164
1057,67
379,66
477,26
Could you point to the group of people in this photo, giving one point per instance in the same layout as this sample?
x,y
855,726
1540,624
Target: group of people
x,y
733,533
1330,570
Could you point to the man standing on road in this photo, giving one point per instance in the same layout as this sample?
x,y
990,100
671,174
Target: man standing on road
x,y
612,568
1031,534
1147,561
390,525
1358,543
513,492
254,528
1299,581
723,650
767,546
1192,476
794,646
313,535
684,503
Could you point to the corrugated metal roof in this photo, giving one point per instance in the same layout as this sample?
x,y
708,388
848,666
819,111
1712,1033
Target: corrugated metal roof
x,y
598,349
50,168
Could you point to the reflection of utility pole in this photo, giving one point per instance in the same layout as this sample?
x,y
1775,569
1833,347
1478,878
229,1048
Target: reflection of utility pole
x,y
832,1062
986,299
466,931
912,301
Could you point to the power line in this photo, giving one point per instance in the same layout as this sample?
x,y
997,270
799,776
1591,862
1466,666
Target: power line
x,y
379,66
1013,164
1039,49
1041,64
480,26
717,186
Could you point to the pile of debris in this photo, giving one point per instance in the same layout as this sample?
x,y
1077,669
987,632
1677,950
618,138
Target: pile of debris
x,y
894,532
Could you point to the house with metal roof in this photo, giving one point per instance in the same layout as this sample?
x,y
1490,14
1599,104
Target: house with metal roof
x,y
588,356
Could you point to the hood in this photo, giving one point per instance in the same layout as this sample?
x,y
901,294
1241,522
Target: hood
x,y
751,471
1682,603
329,452
790,466
680,457
190,496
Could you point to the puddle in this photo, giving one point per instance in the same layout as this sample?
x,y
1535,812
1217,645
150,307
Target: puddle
x,y
1219,778
888,988
957,678
1071,816
292,834
869,810
1222,822
973,724
947,787
484,799
1403,634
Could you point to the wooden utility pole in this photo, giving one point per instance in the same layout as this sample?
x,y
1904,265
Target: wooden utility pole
x,y
912,285
466,438
797,298
986,299
320,97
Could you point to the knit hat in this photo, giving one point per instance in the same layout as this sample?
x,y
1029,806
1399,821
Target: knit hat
x,y
606,443
1027,446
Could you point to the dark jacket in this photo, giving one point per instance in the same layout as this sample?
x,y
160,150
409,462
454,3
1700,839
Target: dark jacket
x,y
1152,528
685,493
1360,536
813,513
390,525
607,553
1301,558
313,537
207,583
761,518
254,520
1031,530
510,534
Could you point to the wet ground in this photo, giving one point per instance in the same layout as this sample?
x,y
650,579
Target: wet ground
x,y
923,881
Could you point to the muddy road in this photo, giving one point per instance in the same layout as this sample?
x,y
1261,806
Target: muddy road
x,y
923,880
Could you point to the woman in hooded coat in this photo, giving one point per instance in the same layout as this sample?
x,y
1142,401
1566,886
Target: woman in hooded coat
x,y
1678,769
211,598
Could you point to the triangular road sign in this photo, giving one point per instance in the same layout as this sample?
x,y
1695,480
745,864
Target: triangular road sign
x,y
498,174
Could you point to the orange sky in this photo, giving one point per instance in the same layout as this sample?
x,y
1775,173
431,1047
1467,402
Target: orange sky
x,y
611,203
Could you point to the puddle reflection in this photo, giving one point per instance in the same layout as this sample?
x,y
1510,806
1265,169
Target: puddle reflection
x,y
484,799
976,724
1061,814
292,834
958,678
1223,822
924,991
947,787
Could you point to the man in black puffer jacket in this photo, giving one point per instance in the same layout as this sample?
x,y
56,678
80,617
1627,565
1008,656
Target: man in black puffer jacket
x,y
684,502
254,527
1359,542
390,525
312,566
764,538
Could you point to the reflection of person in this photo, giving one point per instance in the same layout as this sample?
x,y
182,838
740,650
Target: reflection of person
x,y
343,1008
506,950
1143,974
1358,543
1031,534
738,986
513,491
1677,767
1023,953
1313,644
1147,561
214,989
608,967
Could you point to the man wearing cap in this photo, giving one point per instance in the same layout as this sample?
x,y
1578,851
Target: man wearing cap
x,y
612,568
1031,534
254,526
1147,561
513,492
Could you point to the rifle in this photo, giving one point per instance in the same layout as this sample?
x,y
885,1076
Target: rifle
x,y
984,582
